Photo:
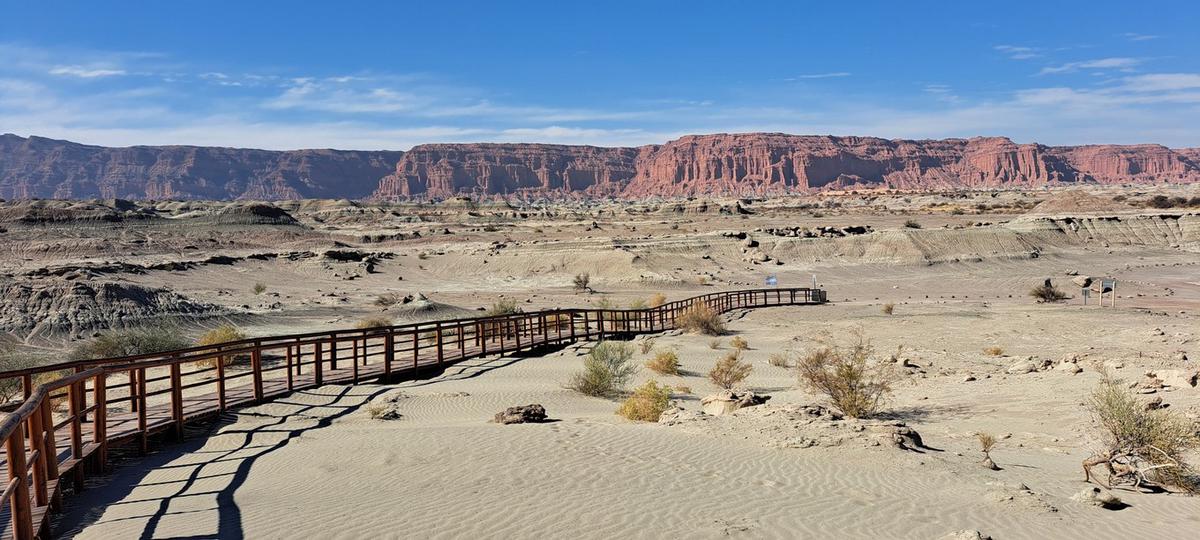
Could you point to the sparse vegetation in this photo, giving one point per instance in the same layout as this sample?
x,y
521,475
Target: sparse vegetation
x,y
888,308
699,318
582,282
373,322
714,344
855,384
12,359
993,351
647,402
637,304
782,360
1047,292
259,288
221,334
647,345
503,306
657,299
664,363
1140,445
388,299
739,343
606,370
730,370
129,342
911,224
987,441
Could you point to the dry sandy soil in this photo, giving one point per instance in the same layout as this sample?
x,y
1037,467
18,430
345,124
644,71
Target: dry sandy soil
x,y
316,464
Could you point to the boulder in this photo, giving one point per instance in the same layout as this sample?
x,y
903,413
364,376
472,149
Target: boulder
x,y
522,414
1099,497
1176,378
1022,367
1082,281
726,402
965,534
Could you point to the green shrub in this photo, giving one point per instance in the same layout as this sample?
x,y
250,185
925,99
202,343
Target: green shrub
x,y
700,319
130,342
911,224
647,402
664,363
606,370
504,306
582,282
259,288
221,334
730,370
854,383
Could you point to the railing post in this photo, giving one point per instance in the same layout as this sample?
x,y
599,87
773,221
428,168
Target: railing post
x,y
256,367
34,428
517,330
462,346
144,435
318,370
221,383
481,339
600,323
416,346
333,350
438,336
20,513
51,447
177,401
27,385
100,420
75,404
291,378
354,363
389,353
133,403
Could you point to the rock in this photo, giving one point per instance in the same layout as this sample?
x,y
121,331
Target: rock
x,y
1082,281
1176,378
989,464
1099,497
968,378
906,438
1021,367
965,534
1068,367
522,414
723,403
1155,404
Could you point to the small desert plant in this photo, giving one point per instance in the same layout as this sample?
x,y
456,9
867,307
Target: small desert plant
x,y
647,345
387,300
855,383
504,306
13,359
730,370
657,299
647,402
1141,444
739,343
682,389
637,304
715,344
422,255
606,370
1047,292
782,360
700,319
993,351
987,441
664,363
259,288
888,308
129,342
911,224
373,323
582,282
221,334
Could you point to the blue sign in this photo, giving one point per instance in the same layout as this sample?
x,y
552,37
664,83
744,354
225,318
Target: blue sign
x,y
771,281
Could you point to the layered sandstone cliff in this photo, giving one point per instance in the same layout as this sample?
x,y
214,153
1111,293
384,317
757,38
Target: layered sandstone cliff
x,y
37,167
765,163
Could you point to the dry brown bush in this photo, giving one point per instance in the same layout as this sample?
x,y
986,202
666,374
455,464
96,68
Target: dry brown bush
x,y
657,299
221,334
647,402
739,343
664,363
1047,293
370,323
856,384
993,351
700,319
730,370
782,360
888,308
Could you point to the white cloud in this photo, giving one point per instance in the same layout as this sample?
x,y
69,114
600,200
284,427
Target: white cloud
x,y
1134,36
86,72
1162,81
830,75
1017,52
1124,64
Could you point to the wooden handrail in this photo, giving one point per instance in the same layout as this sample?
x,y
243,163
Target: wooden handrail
x,y
29,432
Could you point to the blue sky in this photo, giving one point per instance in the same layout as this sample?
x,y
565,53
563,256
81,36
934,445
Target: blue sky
x,y
388,75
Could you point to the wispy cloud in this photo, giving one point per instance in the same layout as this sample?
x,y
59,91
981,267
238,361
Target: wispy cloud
x,y
85,72
1018,52
830,75
1118,63
1134,36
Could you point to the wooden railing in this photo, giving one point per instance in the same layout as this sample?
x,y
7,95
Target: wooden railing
x,y
133,397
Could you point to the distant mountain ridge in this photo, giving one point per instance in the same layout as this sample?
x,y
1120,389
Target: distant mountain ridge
x,y
739,164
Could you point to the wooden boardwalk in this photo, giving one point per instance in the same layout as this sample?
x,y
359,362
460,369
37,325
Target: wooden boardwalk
x,y
125,400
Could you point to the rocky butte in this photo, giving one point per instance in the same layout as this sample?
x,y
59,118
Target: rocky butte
x,y
739,164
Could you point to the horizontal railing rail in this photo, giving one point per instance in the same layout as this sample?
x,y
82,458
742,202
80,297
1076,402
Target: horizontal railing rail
x,y
135,396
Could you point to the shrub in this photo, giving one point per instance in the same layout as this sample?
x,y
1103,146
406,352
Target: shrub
x,y
129,342
606,370
1150,443
13,359
664,363
259,288
700,319
780,360
986,442
657,299
739,343
387,300
854,383
888,308
221,334
647,402
503,306
373,322
911,224
730,370
714,344
647,345
681,389
582,282
1160,201
993,351
1047,292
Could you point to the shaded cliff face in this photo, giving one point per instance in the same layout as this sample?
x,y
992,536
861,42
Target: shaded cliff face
x,y
441,170
765,163
45,168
